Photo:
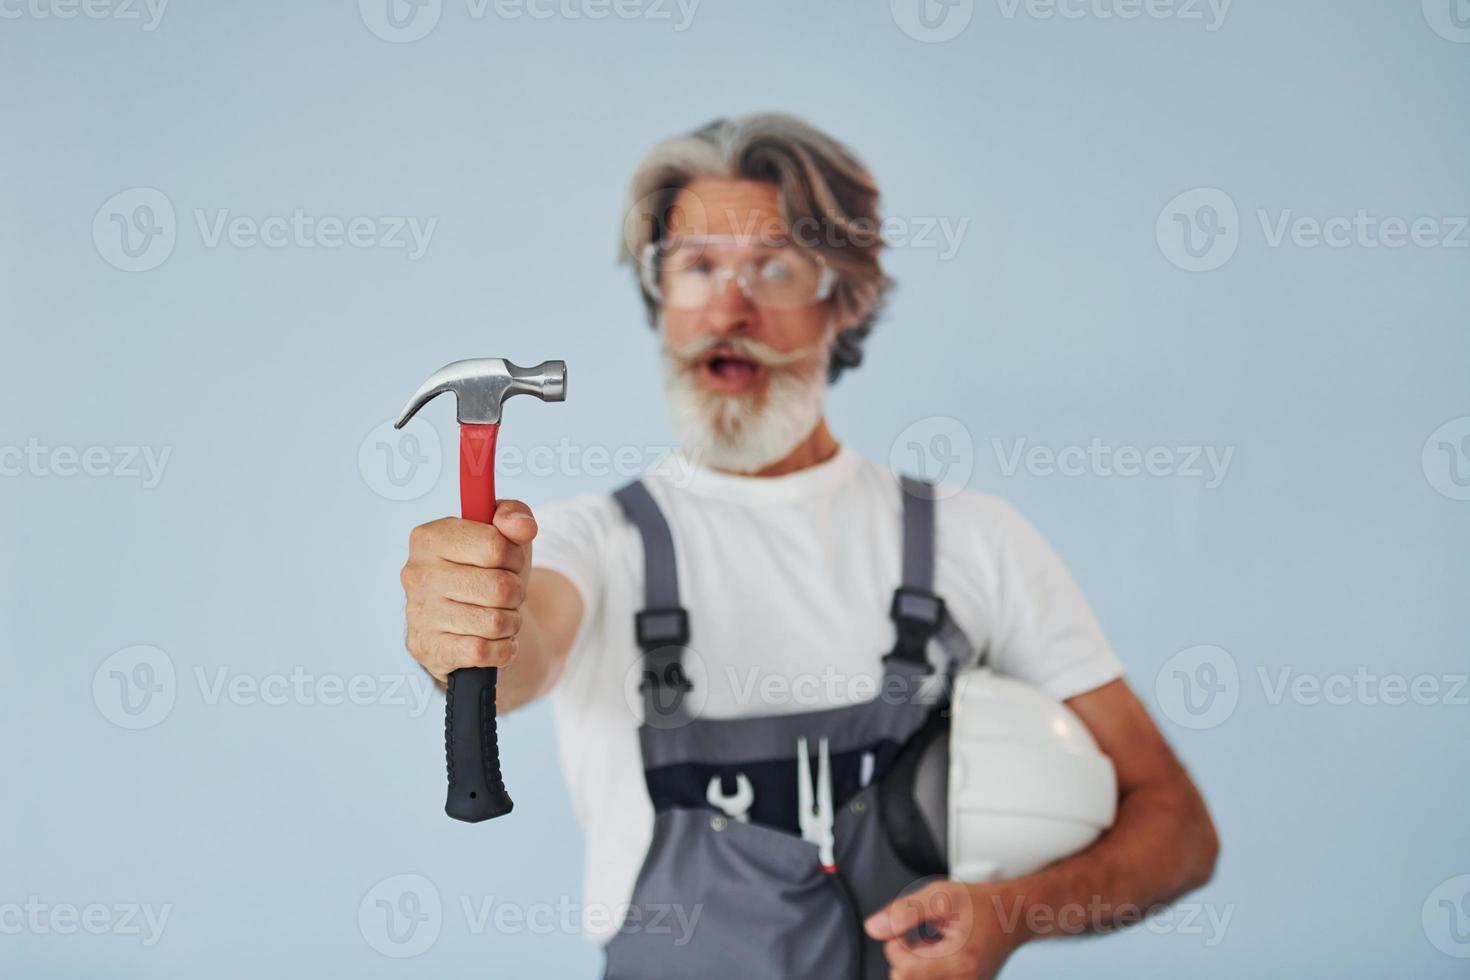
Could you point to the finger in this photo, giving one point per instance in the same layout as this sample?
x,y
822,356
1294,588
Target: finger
x,y
515,520
464,619
903,913
471,543
495,588
456,651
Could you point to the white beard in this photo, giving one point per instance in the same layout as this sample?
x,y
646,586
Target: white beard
x,y
746,433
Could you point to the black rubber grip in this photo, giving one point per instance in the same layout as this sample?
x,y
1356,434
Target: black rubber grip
x,y
476,791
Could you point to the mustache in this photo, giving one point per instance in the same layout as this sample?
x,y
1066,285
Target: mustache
x,y
689,355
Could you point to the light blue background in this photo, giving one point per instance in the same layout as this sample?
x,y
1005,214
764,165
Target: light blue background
x,y
1060,319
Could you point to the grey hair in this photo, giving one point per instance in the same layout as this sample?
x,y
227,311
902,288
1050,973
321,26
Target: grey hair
x,y
821,185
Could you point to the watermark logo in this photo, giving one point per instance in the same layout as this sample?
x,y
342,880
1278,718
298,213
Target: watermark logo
x,y
138,686
1361,229
1446,917
406,21
142,463
1198,687
1211,13
144,921
666,688
401,916
135,230
401,464
1207,464
1446,459
1450,19
938,449
932,21
1199,230
400,21
149,13
135,687
1362,687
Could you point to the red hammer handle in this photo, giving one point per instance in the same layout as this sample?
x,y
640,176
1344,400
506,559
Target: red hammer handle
x,y
476,791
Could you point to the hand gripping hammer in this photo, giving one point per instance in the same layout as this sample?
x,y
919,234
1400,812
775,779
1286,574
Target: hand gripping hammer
x,y
480,384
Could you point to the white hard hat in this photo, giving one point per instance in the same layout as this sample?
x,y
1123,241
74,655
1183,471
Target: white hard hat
x,y
1018,784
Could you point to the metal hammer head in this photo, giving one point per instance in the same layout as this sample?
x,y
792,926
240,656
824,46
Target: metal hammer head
x,y
480,384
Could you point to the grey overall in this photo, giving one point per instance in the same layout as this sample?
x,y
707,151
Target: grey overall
x,y
765,906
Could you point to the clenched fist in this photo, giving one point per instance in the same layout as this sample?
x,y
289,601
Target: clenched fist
x,y
464,584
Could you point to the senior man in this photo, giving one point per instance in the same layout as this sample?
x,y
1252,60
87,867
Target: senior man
x,y
678,625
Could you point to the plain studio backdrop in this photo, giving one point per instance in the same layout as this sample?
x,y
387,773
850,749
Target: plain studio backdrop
x,y
1185,282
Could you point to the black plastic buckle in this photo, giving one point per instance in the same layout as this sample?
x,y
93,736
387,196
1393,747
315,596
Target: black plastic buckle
x,y
655,628
917,614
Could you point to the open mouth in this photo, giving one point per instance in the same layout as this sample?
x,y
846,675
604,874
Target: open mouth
x,y
727,371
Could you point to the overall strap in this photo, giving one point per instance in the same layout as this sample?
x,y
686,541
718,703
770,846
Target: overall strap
x,y
662,628
919,615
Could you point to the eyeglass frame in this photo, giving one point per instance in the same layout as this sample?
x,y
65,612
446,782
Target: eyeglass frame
x,y
649,269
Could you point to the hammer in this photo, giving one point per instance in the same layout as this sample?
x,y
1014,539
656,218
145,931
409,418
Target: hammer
x,y
480,384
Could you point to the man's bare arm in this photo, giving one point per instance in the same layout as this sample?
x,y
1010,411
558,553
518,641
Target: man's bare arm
x,y
1162,845
550,617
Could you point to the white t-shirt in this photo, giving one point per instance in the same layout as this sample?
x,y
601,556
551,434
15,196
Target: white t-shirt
x,y
788,582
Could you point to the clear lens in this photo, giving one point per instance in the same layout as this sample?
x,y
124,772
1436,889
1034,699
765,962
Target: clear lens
x,y
691,273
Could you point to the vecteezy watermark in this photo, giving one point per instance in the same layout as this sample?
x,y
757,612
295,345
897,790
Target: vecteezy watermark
x,y
405,464
401,464
1445,459
138,686
406,21
1446,917
1450,19
403,916
767,689
566,458
1208,464
935,21
950,912
148,13
144,921
670,687
941,233
143,463
1209,13
937,449
1097,916
414,691
932,21
1362,686
1200,687
1200,230
135,687
137,229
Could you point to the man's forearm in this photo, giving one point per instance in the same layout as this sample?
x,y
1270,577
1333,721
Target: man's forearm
x,y
527,677
1161,846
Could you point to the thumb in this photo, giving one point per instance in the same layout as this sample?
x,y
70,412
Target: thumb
x,y
514,520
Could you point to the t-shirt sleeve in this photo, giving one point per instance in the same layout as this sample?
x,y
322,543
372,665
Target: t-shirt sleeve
x,y
1045,634
571,539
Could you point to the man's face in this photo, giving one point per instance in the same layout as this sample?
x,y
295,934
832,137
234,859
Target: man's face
x,y
745,376
743,209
